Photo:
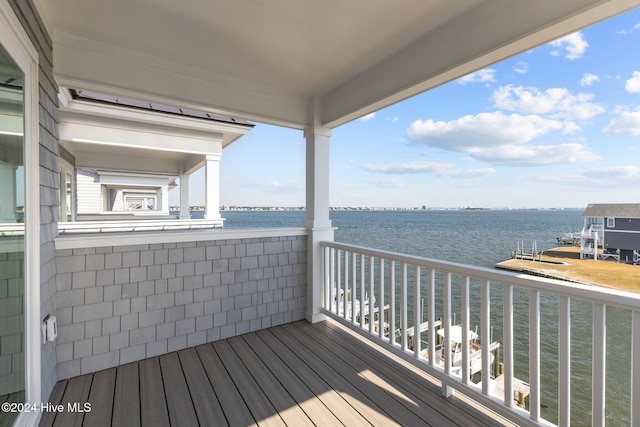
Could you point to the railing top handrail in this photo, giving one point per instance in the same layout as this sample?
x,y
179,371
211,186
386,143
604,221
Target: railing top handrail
x,y
597,294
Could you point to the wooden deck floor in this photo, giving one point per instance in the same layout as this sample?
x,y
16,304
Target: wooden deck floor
x,y
296,375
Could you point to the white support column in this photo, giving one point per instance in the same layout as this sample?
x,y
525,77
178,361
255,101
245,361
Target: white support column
x,y
317,219
164,200
184,197
212,186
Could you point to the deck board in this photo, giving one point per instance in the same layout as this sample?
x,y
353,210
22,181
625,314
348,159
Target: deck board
x,y
296,374
153,409
203,397
315,409
435,410
181,409
126,400
101,399
281,400
259,404
233,405
368,386
77,391
359,401
315,382
458,407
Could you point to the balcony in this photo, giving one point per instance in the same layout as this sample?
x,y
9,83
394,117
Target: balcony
x,y
181,307
296,374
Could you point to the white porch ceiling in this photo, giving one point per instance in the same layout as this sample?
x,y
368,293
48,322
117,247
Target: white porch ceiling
x,y
265,60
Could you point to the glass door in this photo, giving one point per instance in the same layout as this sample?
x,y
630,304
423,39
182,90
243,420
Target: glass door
x,y
12,235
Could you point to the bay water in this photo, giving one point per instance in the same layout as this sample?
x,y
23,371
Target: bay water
x,y
483,238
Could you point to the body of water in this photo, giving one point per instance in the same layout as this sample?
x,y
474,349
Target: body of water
x,y
484,238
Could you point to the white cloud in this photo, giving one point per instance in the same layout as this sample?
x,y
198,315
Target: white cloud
x,y
471,173
480,76
498,139
387,183
482,130
627,123
633,84
367,117
573,46
555,102
521,68
410,168
536,155
588,79
628,172
444,170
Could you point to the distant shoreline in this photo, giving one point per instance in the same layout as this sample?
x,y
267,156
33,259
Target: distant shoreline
x,y
371,208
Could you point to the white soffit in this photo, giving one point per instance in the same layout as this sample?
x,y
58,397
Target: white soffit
x,y
265,59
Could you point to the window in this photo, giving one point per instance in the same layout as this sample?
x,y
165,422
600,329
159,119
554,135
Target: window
x,y
67,192
140,202
611,222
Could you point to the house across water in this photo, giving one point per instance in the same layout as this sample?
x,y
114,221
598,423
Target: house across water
x,y
614,227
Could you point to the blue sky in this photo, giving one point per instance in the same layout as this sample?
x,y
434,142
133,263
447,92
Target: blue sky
x,y
557,126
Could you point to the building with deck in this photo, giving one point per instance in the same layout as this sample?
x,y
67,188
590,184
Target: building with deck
x,y
614,227
85,317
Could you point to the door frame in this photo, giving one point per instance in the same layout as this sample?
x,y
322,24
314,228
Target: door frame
x,y
18,44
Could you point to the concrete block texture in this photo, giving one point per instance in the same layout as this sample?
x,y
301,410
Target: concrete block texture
x,y
126,303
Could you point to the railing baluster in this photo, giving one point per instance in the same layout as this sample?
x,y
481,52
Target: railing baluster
x,y
381,304
354,259
507,310
485,302
564,358
635,373
417,315
534,355
361,296
372,262
466,324
392,304
431,308
403,307
446,344
599,364
327,279
332,285
339,292
345,297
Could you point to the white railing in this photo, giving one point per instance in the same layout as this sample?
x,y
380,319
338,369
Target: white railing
x,y
385,295
119,226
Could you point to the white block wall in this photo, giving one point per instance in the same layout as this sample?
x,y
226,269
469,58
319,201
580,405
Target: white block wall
x,y
125,303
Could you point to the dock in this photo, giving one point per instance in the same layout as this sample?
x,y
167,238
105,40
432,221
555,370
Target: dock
x,y
521,389
564,263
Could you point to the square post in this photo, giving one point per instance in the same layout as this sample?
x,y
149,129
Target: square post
x,y
212,186
184,197
317,219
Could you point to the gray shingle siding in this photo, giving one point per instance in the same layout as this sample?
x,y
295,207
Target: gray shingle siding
x,y
207,291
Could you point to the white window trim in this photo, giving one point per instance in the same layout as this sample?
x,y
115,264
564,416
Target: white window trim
x,y
67,168
17,43
611,222
128,195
